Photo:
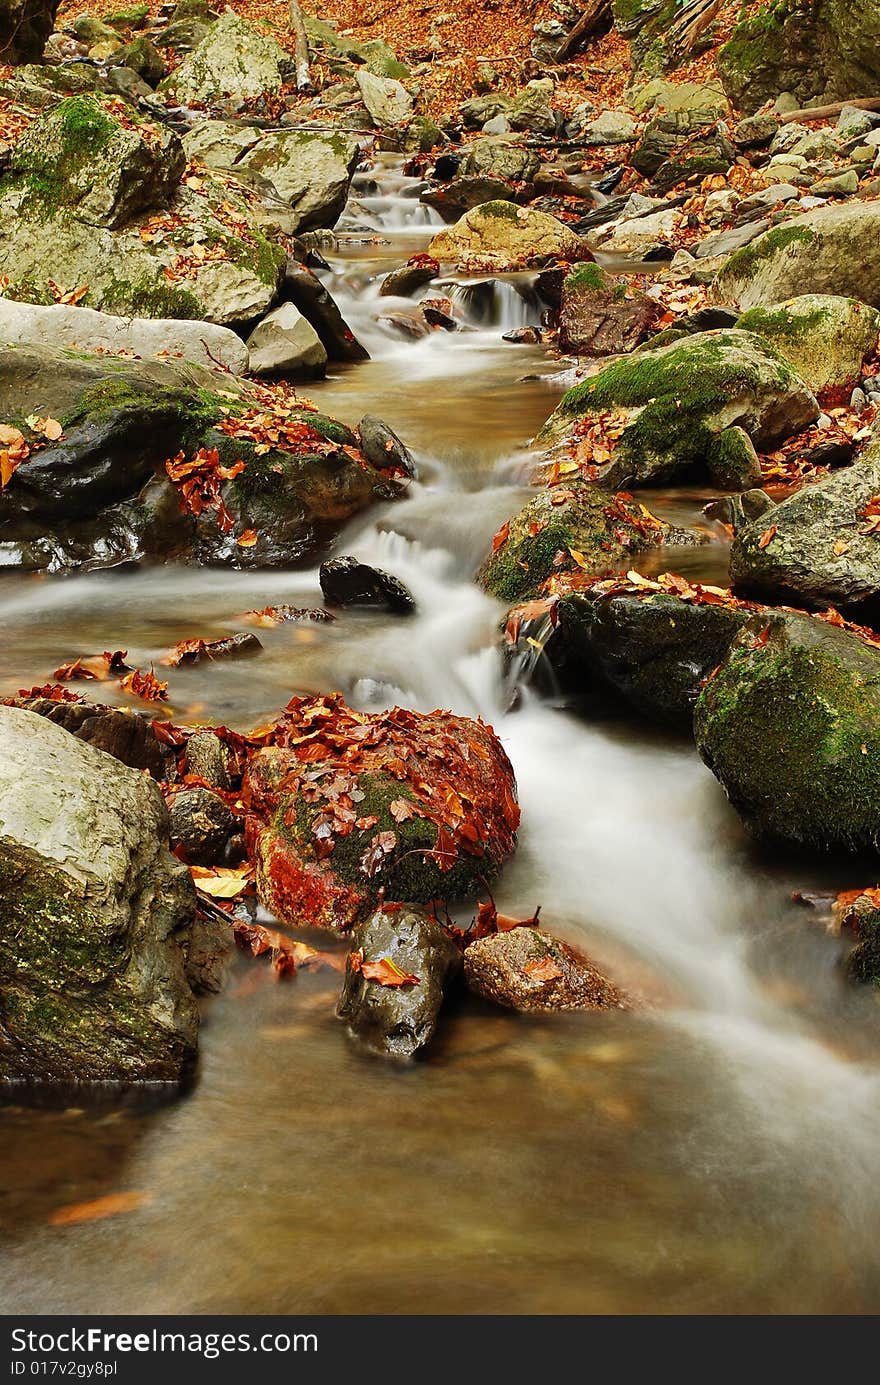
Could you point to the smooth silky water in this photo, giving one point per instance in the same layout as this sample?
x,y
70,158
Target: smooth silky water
x,y
715,1150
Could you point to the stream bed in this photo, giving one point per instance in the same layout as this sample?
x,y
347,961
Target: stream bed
x,y
713,1151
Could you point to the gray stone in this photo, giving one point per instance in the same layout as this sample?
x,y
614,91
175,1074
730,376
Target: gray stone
x,y
826,338
93,906
526,969
387,99
284,343
201,824
611,127
234,61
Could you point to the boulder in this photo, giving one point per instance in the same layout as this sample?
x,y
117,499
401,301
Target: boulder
x,y
200,824
143,58
790,725
531,110
209,758
861,917
83,329
305,290
284,343
816,51
309,169
39,86
382,447
24,27
125,735
463,194
501,236
822,551
599,316
650,650
347,582
680,400
398,1020
832,250
234,61
386,99
526,969
500,158
345,806
826,338
604,530
92,910
611,127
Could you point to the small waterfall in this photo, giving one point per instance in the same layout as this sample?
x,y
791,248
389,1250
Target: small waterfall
x,y
500,303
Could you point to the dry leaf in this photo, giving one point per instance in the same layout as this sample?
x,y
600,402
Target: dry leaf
x,y
543,969
768,536
109,1206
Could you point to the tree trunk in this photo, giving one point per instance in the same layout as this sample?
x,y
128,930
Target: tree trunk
x,y
595,13
297,24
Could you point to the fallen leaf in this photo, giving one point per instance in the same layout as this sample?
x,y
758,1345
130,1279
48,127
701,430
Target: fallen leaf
x,y
388,973
221,882
768,536
543,969
247,539
109,1206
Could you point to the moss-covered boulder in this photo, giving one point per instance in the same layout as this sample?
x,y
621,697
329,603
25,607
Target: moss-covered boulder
x,y
101,494
646,25
41,85
79,158
142,57
24,27
601,316
812,48
860,916
826,338
501,236
233,62
648,649
790,725
92,203
819,546
832,250
681,401
603,531
398,1020
347,808
93,910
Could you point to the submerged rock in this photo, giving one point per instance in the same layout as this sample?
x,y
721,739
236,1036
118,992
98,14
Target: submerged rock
x,y
790,725
348,805
346,581
680,400
502,236
92,910
526,969
398,1020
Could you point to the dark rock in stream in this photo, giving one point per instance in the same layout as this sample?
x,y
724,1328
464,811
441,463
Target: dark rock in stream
x,y
201,824
526,969
209,759
346,581
398,1020
463,194
305,291
382,447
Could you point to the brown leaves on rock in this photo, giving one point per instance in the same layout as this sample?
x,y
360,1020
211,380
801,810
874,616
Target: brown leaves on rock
x,y
198,481
870,513
111,1205
768,536
95,666
543,969
222,882
144,685
375,855
14,449
383,970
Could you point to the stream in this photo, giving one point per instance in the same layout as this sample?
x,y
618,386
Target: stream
x,y
713,1151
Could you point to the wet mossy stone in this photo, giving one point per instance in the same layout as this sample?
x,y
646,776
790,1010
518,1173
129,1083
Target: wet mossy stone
x,y
644,24
790,725
862,964
78,158
503,236
824,336
527,969
682,397
832,250
819,554
651,651
93,909
142,57
587,522
41,85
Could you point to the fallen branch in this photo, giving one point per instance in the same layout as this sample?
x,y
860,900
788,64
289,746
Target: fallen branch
x,y
861,103
596,13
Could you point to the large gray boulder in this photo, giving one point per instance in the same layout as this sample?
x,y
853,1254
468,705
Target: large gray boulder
x,y
790,724
832,250
233,62
284,343
83,329
93,910
386,99
502,236
825,337
822,550
398,1020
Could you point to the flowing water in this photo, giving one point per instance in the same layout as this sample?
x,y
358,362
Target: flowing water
x,y
713,1151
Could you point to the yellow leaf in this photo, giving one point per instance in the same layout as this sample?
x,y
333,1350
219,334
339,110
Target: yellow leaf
x,y
580,559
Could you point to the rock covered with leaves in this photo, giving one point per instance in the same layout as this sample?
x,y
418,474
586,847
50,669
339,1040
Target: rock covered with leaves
x,y
346,808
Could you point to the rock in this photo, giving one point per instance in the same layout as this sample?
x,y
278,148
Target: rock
x,y
531,109
305,290
755,131
680,137
143,58
832,250
682,398
729,240
207,953
284,343
836,184
861,916
522,336
738,510
208,757
479,109
465,193
818,51
826,338
598,317
100,494
819,554
611,127
201,824
125,735
24,27
648,650
382,447
310,170
387,99
233,62
78,158
92,908
317,867
43,85
406,280
83,329
638,236
121,81
398,1020
500,158
789,725
500,236
526,969
650,29
348,582
602,528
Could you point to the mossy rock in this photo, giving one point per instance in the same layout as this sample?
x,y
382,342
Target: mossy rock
x,y
826,338
681,398
790,725
502,236
40,86
234,61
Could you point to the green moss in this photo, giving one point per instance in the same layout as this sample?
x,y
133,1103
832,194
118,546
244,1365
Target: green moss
x,y
48,167
780,323
131,18
587,276
746,261
518,567
504,211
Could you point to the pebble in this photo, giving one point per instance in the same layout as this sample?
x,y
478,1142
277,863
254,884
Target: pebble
x,y
857,400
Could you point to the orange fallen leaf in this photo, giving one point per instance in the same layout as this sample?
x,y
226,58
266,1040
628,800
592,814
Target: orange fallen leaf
x,y
543,969
247,539
768,536
222,882
99,1208
388,973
